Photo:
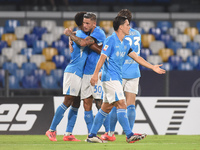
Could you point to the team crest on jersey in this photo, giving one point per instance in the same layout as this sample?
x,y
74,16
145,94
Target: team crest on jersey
x,y
105,47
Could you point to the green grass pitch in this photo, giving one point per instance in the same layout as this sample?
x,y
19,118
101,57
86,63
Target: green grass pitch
x,y
151,142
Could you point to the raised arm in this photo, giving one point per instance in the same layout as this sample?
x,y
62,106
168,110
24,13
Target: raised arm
x,y
146,64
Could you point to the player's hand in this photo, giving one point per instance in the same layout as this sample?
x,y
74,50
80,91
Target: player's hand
x,y
68,31
100,74
158,70
94,80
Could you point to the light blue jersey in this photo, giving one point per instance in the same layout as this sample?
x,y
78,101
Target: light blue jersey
x,y
131,68
93,57
115,50
78,57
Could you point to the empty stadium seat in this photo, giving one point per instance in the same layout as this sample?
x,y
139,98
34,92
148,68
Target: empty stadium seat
x,y
183,39
194,60
57,74
166,38
10,25
106,25
3,59
8,52
144,52
30,23
197,52
39,31
133,24
184,53
173,32
49,52
57,31
48,24
30,81
30,39
154,59
49,38
14,82
69,24
2,45
37,59
17,45
39,73
20,31
139,29
155,46
38,46
147,39
165,53
11,67
164,26
20,73
59,45
191,32
49,82
59,60
65,39
185,66
175,61
29,67
193,46
167,66
48,66
66,52
28,52
156,32
9,38
2,31
174,46
146,25
19,60
181,25
197,38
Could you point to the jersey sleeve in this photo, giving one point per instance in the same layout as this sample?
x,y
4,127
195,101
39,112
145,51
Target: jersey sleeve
x,y
107,47
98,34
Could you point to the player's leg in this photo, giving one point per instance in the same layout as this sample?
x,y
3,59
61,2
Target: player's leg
x,y
72,115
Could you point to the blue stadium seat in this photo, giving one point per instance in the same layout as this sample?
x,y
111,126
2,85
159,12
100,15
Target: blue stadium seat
x,y
2,78
59,45
11,67
39,31
174,46
156,32
48,82
144,52
166,38
164,26
139,29
30,39
3,59
193,46
10,25
2,45
2,31
38,46
198,26
30,81
133,24
65,39
20,73
185,66
66,52
39,73
28,52
14,82
57,74
29,67
194,60
167,66
59,60
175,61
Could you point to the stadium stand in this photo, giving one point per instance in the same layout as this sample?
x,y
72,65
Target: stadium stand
x,y
8,37
20,31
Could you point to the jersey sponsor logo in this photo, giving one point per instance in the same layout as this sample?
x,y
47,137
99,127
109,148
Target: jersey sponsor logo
x,y
121,54
129,61
105,47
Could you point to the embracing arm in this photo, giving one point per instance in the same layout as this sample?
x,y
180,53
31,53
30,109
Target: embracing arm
x,y
146,64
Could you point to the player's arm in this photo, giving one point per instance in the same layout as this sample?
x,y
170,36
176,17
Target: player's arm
x,y
100,63
146,64
97,48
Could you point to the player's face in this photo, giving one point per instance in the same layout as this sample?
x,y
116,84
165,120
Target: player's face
x,y
88,24
126,27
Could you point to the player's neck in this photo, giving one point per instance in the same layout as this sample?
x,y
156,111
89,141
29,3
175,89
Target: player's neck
x,y
120,35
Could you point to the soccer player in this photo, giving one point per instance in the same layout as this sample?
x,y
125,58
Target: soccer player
x,y
130,81
89,92
115,49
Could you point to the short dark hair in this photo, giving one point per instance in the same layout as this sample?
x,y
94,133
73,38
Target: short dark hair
x,y
119,20
79,18
125,12
90,15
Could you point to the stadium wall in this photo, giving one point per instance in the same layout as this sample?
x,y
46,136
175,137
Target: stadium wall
x,y
155,116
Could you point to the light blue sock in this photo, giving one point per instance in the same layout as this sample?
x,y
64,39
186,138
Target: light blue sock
x,y
71,119
98,121
113,119
58,116
131,115
89,119
123,120
106,123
